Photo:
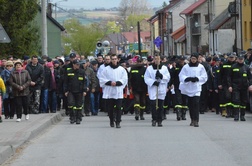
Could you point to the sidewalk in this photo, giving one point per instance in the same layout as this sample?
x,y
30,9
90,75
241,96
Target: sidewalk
x,y
14,134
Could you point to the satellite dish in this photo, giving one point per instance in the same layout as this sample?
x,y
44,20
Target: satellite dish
x,y
4,38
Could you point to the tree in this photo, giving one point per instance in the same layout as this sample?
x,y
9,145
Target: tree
x,y
133,7
164,4
81,38
16,17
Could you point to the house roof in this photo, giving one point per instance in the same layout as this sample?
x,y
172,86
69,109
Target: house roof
x,y
154,18
132,37
179,34
117,38
219,20
172,3
194,6
53,20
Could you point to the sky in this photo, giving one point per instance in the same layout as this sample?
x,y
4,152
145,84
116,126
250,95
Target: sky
x,y
91,4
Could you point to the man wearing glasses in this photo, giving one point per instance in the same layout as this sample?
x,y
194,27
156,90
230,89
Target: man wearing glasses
x,y
113,79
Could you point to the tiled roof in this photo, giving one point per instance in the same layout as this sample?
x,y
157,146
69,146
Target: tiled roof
x,y
132,37
194,6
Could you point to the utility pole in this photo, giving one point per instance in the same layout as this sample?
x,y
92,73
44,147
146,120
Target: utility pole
x,y
139,38
44,28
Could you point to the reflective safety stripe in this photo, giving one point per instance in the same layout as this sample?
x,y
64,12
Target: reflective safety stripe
x,y
70,74
236,69
70,106
236,106
177,68
134,71
184,106
222,105
178,106
142,76
80,78
165,106
226,66
217,71
142,107
77,108
243,107
69,68
244,75
137,105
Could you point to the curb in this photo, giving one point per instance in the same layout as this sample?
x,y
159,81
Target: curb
x,y
7,151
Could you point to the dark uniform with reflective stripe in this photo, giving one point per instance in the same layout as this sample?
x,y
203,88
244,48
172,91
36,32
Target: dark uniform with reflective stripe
x,y
180,105
139,89
240,79
224,94
75,84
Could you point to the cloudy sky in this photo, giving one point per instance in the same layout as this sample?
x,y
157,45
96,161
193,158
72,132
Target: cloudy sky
x,y
91,4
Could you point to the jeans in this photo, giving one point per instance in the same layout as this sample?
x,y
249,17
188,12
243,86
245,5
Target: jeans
x,y
44,101
52,101
94,102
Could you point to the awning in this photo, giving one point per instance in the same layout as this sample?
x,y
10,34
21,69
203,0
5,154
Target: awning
x,y
179,34
219,20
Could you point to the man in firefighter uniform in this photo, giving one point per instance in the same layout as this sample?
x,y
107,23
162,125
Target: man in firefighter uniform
x,y
138,87
157,77
238,83
75,87
180,109
224,93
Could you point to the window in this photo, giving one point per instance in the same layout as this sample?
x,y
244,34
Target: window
x,y
206,19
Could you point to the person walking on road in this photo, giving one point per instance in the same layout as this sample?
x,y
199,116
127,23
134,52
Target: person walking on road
x,y
192,76
157,77
113,79
239,81
75,87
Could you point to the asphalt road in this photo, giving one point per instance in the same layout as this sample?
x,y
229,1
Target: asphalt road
x,y
217,142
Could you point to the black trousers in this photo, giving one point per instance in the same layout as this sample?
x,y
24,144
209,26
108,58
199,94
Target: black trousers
x,y
9,107
157,112
114,108
22,102
193,104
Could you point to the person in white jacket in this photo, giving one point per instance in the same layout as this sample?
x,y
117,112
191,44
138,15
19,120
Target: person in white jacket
x,y
113,79
157,77
191,77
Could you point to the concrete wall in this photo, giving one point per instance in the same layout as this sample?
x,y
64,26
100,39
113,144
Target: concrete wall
x,y
224,39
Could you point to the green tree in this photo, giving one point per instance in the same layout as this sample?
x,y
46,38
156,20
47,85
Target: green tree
x,y
81,38
133,19
164,4
16,17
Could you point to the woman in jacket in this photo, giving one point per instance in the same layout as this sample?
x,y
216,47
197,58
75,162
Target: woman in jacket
x,y
20,81
8,99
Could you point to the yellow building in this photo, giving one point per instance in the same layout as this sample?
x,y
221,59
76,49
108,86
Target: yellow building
x,y
246,24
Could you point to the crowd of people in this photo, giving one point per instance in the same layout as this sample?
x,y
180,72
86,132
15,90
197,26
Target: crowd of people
x,y
119,85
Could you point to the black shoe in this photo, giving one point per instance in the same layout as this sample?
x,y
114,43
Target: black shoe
x,y
202,112
154,123
78,121
178,118
236,118
118,125
87,114
243,118
192,123
196,124
112,124
160,124
137,117
142,118
1,119
6,117
11,117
